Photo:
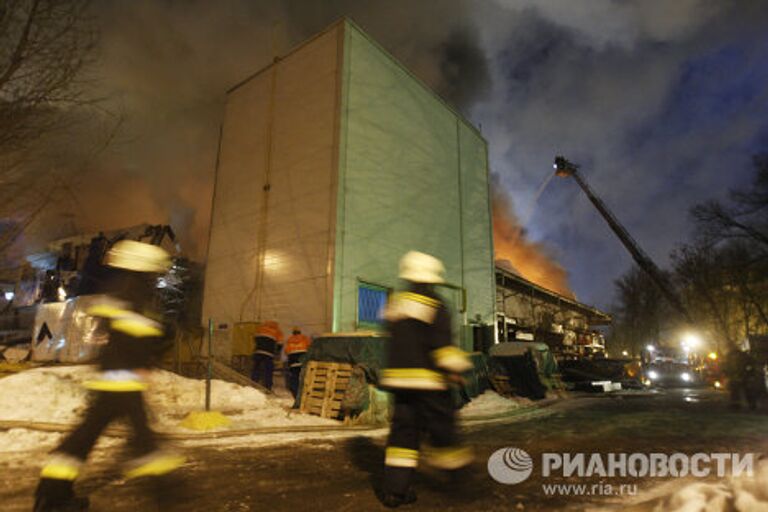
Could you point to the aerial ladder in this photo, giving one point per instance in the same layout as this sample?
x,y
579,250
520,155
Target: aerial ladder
x,y
564,168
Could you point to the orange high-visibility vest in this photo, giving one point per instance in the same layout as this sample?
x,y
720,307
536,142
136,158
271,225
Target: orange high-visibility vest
x,y
270,328
297,343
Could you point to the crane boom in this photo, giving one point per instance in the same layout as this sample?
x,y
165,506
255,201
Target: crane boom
x,y
565,168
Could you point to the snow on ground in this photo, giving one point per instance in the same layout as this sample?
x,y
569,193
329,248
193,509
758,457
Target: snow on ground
x,y
56,395
743,493
740,494
491,403
171,397
292,438
21,439
44,394
27,440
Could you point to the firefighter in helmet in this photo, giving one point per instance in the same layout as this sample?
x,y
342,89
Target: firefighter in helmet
x,y
421,365
135,333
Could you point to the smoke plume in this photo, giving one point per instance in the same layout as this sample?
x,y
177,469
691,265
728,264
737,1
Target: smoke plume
x,y
163,71
513,249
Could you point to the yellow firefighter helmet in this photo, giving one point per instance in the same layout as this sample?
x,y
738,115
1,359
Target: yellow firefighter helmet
x,y
421,268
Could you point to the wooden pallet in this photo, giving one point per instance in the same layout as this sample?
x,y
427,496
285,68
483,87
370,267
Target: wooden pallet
x,y
324,388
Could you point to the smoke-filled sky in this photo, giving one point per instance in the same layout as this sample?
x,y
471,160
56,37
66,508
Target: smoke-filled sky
x,y
661,102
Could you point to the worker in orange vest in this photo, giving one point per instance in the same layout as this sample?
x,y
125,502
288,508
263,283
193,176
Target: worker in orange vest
x,y
295,348
267,345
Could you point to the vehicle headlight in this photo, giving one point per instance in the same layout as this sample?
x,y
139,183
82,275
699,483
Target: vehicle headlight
x,y
653,375
685,376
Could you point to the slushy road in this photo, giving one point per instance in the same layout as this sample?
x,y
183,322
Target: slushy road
x,y
338,474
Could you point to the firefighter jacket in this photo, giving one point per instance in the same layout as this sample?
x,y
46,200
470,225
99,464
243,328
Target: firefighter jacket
x,y
295,347
420,352
131,313
268,338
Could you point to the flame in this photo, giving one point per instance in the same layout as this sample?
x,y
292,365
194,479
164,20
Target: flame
x,y
529,259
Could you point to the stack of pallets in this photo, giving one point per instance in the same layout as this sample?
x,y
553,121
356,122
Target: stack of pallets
x,y
324,388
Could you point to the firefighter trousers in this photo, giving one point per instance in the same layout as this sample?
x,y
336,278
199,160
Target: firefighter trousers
x,y
416,413
105,408
59,474
263,369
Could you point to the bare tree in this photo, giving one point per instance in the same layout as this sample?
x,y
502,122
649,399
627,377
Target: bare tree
x,y
726,287
45,45
746,215
706,290
724,274
640,315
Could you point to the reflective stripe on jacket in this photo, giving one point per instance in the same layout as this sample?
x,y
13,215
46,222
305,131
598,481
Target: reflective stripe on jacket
x,y
126,321
420,352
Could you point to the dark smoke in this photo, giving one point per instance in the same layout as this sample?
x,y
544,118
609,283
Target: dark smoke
x,y
165,67
464,69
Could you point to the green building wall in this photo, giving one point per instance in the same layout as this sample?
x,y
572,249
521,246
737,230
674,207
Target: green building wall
x,y
413,175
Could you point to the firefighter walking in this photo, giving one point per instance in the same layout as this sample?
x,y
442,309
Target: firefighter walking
x,y
421,364
135,333
296,347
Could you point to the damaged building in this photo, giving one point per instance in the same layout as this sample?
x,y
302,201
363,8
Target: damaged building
x,y
527,312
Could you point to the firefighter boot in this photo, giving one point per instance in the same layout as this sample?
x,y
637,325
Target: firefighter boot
x,y
54,495
392,500
155,474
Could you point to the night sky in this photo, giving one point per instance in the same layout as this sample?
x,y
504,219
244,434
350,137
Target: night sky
x,y
662,103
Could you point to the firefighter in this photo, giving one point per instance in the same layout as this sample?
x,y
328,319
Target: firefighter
x,y
295,348
421,365
135,333
744,378
266,347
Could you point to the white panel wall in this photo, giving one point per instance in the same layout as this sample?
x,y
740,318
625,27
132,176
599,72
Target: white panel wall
x,y
286,130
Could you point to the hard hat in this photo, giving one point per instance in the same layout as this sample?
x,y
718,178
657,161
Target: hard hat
x,y
138,256
421,268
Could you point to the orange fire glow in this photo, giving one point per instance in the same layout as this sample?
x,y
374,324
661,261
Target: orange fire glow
x,y
529,259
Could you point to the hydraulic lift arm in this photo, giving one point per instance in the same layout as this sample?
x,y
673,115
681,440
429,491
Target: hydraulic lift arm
x,y
564,168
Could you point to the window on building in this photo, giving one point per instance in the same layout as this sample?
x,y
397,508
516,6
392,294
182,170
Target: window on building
x,y
371,300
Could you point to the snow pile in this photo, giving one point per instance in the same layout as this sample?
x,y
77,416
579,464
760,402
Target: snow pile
x,y
55,394
45,394
741,494
21,439
171,397
491,403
